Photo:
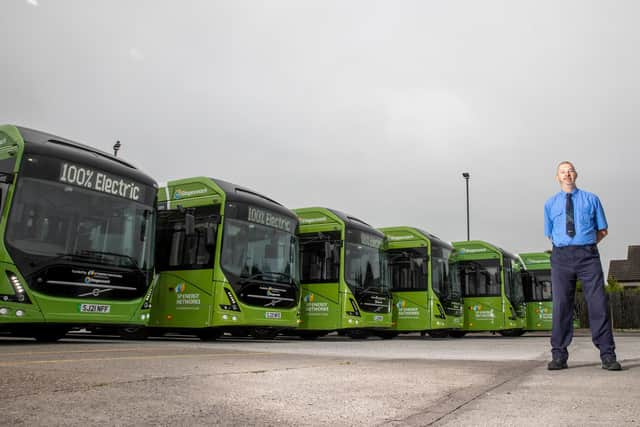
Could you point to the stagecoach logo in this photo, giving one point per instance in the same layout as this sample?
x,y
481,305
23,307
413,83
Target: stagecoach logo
x,y
401,304
96,277
179,194
312,308
313,220
472,251
537,261
405,237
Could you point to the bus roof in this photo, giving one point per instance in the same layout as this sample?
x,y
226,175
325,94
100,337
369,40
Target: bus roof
x,y
46,144
536,260
346,219
201,186
416,233
472,247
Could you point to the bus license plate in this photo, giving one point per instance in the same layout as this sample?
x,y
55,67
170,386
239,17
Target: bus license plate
x,y
377,318
273,315
95,308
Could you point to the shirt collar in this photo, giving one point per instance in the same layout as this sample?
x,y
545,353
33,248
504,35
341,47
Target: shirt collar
x,y
573,192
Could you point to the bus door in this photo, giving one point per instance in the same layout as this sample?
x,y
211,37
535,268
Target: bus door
x,y
186,244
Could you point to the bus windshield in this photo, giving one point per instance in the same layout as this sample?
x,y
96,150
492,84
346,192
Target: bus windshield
x,y
538,285
480,278
365,268
51,220
408,269
252,251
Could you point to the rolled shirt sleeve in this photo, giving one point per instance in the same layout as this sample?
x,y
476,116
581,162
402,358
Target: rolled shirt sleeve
x,y
601,219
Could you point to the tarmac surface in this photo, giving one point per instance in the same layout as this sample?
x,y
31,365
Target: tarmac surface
x,y
479,380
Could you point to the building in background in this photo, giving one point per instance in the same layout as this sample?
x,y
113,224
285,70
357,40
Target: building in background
x,y
627,271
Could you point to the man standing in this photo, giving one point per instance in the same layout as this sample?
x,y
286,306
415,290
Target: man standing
x,y
574,220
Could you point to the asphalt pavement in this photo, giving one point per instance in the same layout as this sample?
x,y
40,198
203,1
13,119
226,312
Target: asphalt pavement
x,y
477,380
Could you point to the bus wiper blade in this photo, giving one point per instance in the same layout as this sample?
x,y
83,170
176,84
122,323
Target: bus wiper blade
x,y
371,290
254,278
102,254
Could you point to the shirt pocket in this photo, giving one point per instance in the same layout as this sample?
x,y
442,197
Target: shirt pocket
x,y
588,216
555,213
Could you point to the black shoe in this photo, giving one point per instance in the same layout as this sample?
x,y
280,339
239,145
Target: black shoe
x,y
556,365
611,365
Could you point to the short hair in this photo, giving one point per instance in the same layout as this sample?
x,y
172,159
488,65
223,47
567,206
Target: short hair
x,y
566,162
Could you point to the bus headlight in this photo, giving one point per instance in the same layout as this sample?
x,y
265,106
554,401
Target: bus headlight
x,y
4,311
19,313
18,289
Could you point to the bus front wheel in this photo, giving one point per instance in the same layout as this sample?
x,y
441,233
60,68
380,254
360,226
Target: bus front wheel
x,y
438,334
49,334
512,332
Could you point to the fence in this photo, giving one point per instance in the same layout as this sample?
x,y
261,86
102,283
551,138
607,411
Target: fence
x,y
624,308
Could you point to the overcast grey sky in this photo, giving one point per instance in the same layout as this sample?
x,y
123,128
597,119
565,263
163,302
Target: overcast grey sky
x,y
374,108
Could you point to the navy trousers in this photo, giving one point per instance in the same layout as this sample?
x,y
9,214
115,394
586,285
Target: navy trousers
x,y
568,264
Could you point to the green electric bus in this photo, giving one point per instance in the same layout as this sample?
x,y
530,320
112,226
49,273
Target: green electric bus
x,y
427,295
344,278
77,230
537,290
491,288
227,260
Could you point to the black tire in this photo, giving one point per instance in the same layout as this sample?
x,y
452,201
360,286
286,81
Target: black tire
x,y
209,334
265,333
423,333
134,333
512,333
386,335
52,334
438,333
310,336
457,334
358,334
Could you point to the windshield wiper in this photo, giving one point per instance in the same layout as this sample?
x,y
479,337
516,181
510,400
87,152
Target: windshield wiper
x,y
246,280
98,254
370,290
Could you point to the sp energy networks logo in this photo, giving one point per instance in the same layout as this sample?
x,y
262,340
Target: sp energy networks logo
x,y
406,312
186,300
313,308
181,194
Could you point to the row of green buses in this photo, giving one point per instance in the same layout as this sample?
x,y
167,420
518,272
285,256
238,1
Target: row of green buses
x,y
89,241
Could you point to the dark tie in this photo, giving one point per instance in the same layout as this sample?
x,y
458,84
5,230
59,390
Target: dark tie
x,y
571,227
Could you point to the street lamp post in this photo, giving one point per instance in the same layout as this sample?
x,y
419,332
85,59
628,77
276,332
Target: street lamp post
x,y
466,176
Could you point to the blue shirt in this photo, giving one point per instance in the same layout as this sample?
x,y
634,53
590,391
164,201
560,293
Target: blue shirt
x,y
588,215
